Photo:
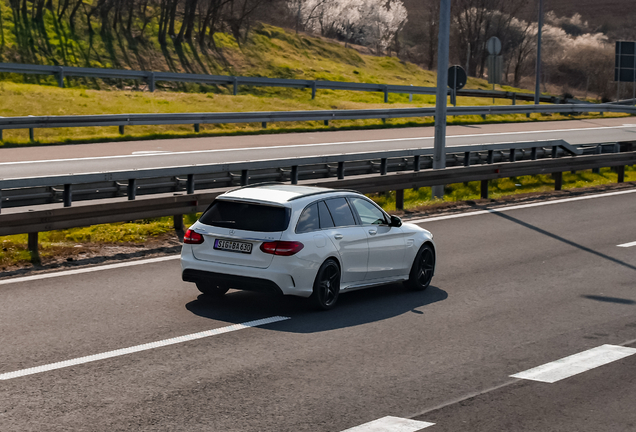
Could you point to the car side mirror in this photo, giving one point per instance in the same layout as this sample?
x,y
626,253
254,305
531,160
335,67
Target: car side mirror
x,y
396,221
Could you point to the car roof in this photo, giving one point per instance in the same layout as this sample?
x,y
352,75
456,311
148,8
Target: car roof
x,y
275,193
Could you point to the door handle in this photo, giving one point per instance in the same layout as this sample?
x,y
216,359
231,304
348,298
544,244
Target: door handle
x,y
338,236
373,232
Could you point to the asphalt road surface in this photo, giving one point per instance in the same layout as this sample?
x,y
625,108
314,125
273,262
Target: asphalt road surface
x,y
514,290
86,158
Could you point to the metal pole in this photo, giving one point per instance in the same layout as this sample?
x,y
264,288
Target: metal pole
x,y
537,84
443,42
618,81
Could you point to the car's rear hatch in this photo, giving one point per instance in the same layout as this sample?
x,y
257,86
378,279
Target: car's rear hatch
x,y
234,230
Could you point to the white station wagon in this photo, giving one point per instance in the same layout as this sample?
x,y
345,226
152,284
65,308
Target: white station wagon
x,y
304,241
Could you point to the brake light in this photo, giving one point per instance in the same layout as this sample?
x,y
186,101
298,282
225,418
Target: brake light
x,y
284,248
192,237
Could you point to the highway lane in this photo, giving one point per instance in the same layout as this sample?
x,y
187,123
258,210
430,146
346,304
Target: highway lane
x,y
61,160
514,290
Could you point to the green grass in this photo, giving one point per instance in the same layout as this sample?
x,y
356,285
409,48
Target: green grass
x,y
27,99
64,242
416,198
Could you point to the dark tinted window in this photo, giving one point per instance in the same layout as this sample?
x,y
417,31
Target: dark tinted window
x,y
246,216
308,220
340,212
325,217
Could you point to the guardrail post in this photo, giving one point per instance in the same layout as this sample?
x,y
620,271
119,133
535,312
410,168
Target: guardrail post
x,y
555,151
619,169
151,82
483,116
313,90
341,170
513,155
190,184
326,122
294,174
399,199
0,134
31,134
121,129
178,226
60,77
32,245
533,153
484,189
558,181
383,166
235,90
467,159
245,178
598,150
196,127
67,197
514,98
264,125
132,189
491,157
386,94
416,163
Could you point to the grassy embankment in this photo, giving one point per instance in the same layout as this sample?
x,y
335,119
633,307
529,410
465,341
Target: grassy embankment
x,y
270,52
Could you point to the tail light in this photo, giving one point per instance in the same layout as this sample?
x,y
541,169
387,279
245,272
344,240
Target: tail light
x,y
192,237
284,248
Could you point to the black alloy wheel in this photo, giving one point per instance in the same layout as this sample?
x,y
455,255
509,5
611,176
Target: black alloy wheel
x,y
210,289
423,268
326,285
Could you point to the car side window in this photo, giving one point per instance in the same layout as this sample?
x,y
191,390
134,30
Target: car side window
x,y
326,220
308,220
340,212
369,214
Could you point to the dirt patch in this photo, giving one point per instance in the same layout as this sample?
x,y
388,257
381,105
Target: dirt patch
x,y
91,254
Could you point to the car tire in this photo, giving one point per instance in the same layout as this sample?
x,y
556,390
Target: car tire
x,y
326,286
210,289
422,269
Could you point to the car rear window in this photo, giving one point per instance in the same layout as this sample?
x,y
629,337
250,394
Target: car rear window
x,y
340,212
246,216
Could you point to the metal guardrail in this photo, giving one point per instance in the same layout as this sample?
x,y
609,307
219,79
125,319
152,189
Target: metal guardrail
x,y
70,188
60,72
121,210
264,117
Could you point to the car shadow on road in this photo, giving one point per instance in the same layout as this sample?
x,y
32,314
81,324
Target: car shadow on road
x,y
353,309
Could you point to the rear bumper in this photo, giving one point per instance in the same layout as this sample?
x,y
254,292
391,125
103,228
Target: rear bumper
x,y
286,275
232,281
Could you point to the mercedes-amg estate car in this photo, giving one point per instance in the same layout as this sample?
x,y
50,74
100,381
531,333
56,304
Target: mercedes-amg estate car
x,y
305,241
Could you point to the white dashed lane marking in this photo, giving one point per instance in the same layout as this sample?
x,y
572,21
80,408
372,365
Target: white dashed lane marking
x,y
626,245
138,348
576,364
391,424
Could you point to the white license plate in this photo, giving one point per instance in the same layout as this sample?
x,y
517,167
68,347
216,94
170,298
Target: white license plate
x,y
233,246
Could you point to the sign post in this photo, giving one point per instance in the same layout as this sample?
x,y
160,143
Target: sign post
x,y
443,43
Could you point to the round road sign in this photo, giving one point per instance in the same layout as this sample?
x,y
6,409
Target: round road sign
x,y
494,45
456,77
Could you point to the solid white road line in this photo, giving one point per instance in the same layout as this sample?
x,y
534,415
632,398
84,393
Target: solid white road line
x,y
316,145
144,347
576,364
517,207
391,424
88,269
627,244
